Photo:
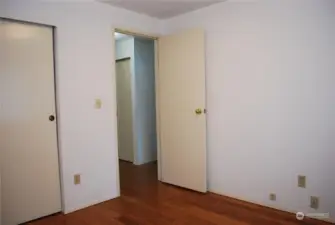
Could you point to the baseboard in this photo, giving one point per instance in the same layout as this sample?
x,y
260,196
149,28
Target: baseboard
x,y
84,206
267,206
125,161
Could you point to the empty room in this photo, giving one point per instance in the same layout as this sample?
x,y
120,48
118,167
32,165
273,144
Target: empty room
x,y
167,112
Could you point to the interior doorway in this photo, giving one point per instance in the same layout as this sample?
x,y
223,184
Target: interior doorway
x,y
136,108
163,85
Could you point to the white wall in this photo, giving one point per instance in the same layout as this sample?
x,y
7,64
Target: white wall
x,y
270,97
85,71
144,103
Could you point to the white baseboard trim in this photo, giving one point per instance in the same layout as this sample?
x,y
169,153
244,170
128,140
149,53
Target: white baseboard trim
x,y
268,206
77,208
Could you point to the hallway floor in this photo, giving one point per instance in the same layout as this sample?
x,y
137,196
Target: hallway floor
x,y
146,201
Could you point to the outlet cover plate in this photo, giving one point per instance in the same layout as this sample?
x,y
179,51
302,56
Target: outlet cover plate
x,y
314,202
302,181
272,197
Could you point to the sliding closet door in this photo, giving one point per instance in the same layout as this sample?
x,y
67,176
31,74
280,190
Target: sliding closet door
x,y
124,109
30,184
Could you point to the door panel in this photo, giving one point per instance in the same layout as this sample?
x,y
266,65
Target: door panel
x,y
181,83
124,104
29,156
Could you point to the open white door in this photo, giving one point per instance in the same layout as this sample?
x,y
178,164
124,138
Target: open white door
x,y
30,183
182,120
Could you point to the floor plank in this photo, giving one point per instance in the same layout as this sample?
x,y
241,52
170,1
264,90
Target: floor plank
x,y
145,201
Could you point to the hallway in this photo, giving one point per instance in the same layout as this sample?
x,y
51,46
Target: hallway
x,y
146,201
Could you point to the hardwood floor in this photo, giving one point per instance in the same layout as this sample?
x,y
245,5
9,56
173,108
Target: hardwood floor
x,y
146,201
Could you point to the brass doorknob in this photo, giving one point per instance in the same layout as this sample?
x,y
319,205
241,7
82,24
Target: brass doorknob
x,y
198,111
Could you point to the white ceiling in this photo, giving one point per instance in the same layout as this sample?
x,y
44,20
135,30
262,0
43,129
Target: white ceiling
x,y
161,9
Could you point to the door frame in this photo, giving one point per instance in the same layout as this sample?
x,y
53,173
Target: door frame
x,y
155,38
57,113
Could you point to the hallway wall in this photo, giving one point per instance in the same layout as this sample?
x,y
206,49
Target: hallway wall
x,y
145,101
142,56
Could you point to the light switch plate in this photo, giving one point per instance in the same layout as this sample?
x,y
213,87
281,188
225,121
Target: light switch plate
x,y
98,103
76,179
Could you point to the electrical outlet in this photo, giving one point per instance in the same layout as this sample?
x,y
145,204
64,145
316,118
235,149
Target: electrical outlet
x,y
302,181
272,197
314,202
76,179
